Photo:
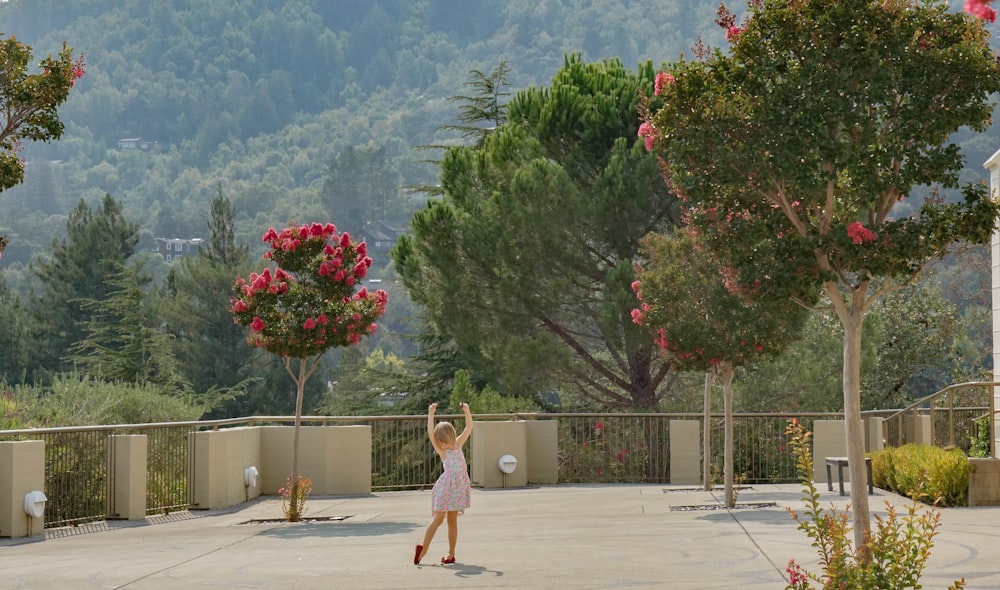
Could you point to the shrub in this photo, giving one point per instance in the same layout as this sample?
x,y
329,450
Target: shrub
x,y
923,472
895,551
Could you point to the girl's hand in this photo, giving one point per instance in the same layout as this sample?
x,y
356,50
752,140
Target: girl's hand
x,y
432,408
464,406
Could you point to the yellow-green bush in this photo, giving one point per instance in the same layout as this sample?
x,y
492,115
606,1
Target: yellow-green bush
x,y
923,472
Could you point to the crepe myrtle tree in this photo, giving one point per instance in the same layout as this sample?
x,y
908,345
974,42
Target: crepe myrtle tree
x,y
28,103
791,149
310,302
704,321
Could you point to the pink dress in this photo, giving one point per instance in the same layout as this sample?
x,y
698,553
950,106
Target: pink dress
x,y
451,491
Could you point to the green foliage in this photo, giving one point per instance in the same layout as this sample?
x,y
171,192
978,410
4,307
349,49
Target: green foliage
x,y
97,245
923,472
77,400
29,102
538,229
792,149
700,319
487,400
613,449
122,342
894,553
980,441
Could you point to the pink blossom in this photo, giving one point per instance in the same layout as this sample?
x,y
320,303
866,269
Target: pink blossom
x,y
599,426
309,324
859,233
240,306
648,133
636,285
637,316
345,240
322,319
257,325
981,9
662,79
733,32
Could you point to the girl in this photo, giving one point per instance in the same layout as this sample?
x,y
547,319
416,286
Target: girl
x,y
451,491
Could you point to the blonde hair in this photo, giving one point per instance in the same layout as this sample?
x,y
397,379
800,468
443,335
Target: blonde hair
x,y
444,434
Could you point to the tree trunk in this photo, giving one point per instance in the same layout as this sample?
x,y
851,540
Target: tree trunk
x,y
300,383
855,427
706,436
725,374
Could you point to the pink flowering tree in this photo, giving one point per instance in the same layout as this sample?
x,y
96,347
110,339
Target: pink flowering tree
x,y
28,104
311,301
791,149
704,321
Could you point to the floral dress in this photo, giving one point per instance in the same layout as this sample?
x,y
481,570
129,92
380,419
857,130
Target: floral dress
x,y
451,491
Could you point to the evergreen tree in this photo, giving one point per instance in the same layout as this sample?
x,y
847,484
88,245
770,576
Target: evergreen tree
x,y
209,347
97,244
121,341
485,110
13,334
361,186
536,237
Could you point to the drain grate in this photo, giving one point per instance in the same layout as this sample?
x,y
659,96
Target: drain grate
x,y
305,520
691,490
739,506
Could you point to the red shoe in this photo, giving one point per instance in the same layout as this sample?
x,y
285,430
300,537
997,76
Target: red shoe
x,y
416,554
447,560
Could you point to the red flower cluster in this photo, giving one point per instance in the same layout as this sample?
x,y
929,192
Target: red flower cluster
x,y
981,9
662,79
860,234
648,133
308,303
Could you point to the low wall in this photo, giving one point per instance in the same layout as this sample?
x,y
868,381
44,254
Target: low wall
x,y
220,459
984,482
533,443
338,459
22,470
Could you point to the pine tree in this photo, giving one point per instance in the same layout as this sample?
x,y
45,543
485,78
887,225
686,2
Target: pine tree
x,y
97,244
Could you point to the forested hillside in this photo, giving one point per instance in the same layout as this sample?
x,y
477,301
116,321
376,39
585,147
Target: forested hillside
x,y
297,111
258,97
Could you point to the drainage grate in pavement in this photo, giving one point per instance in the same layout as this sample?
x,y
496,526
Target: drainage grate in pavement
x,y
689,490
739,506
305,520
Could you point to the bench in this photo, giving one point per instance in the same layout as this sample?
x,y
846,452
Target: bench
x,y
841,462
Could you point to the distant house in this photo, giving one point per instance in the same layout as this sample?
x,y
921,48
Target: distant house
x,y
137,143
382,235
174,248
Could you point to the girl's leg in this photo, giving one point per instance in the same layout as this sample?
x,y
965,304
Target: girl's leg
x,y
452,532
429,534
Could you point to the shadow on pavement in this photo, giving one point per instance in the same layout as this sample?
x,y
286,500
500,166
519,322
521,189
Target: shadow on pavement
x,y
338,529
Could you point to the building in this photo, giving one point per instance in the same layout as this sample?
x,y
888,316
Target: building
x,y
174,248
137,143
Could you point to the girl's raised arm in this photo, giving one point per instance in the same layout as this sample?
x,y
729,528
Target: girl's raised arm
x,y
467,431
430,425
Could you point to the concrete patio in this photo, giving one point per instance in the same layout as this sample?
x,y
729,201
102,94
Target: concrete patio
x,y
561,536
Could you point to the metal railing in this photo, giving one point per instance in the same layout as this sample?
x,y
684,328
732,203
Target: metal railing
x,y
952,410
593,448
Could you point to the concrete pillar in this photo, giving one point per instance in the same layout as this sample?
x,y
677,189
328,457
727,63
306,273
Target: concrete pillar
x,y
492,440
22,470
542,451
127,469
922,430
993,165
220,459
829,440
876,433
685,452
